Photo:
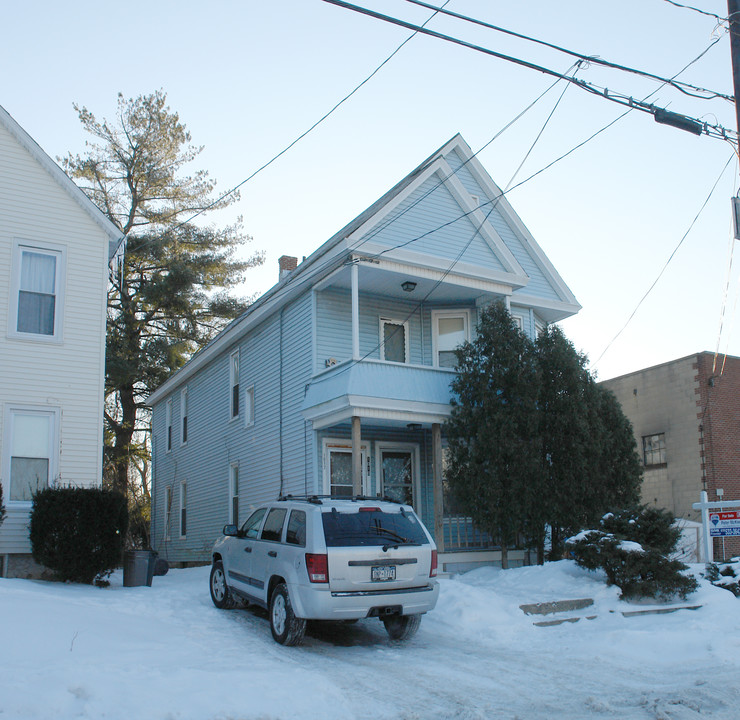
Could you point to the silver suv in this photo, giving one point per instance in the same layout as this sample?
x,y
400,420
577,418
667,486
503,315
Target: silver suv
x,y
323,558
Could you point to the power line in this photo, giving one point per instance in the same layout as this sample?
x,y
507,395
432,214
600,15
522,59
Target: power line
x,y
306,132
699,126
697,10
665,266
452,265
681,86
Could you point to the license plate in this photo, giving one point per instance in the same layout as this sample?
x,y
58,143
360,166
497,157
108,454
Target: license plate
x,y
382,573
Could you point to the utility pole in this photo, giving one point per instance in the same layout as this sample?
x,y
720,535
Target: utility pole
x,y
733,13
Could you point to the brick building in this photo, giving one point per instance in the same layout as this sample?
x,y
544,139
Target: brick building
x,y
686,419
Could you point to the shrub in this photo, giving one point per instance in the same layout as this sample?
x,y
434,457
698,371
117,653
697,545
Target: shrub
x,y
78,533
632,548
725,575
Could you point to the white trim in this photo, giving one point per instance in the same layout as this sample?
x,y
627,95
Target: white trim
x,y
59,252
249,406
447,313
167,511
183,507
9,411
234,380
412,448
184,424
342,445
382,321
233,474
168,426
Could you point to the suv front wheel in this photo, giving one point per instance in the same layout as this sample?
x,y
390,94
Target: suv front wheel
x,y
287,629
220,593
401,627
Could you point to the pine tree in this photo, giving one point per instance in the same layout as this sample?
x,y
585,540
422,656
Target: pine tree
x,y
170,295
492,430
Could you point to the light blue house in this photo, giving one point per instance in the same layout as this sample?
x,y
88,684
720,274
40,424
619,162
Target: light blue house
x,y
336,381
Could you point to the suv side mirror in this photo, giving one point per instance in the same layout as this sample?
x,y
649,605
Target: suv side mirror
x,y
231,530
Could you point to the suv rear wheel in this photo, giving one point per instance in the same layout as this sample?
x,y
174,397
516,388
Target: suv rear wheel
x,y
287,629
401,627
220,593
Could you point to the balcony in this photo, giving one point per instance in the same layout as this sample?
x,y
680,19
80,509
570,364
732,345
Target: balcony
x,y
383,392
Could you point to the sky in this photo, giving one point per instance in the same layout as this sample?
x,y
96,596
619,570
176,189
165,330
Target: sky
x,y
249,77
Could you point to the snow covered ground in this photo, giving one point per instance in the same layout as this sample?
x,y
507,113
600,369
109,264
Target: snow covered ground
x,y
71,651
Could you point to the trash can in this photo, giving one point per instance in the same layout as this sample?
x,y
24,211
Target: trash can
x,y
138,568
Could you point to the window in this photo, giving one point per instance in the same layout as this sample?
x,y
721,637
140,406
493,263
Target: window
x,y
32,441
249,406
169,425
450,329
296,532
183,416
36,295
394,340
234,495
251,527
273,528
183,508
653,449
167,511
234,382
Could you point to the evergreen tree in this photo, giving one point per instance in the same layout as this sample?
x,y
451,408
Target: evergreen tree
x,y
567,410
492,429
590,463
170,295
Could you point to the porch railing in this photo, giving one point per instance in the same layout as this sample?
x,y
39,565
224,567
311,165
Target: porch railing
x,y
461,534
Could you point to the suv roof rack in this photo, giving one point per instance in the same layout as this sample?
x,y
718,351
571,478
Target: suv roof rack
x,y
317,499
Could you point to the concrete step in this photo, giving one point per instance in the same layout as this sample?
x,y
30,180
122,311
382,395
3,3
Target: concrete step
x,y
556,606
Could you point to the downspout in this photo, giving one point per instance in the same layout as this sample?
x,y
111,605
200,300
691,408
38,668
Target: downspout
x,y
280,412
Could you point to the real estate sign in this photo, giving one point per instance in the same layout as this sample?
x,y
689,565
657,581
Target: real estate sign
x,y
724,523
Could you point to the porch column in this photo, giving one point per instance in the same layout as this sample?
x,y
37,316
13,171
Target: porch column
x,y
356,456
439,535
354,274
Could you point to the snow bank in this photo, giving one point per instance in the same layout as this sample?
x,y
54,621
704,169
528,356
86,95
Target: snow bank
x,y
72,651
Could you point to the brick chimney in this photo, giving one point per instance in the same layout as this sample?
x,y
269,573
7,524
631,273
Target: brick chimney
x,y
287,265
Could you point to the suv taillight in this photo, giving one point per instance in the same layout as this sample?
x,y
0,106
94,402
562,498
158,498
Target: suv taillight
x,y
318,568
433,569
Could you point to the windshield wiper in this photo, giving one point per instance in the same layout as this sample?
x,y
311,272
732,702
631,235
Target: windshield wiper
x,y
400,538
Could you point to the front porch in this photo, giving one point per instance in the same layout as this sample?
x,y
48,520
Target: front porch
x,y
378,429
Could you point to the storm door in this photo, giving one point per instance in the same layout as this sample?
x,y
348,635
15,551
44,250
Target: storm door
x,y
338,469
397,469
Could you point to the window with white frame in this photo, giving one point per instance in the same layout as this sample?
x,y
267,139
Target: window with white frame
x,y
37,284
653,450
450,329
31,435
183,509
394,340
249,406
169,425
234,383
234,495
183,416
167,511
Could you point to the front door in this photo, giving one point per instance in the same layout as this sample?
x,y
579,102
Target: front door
x,y
338,469
397,474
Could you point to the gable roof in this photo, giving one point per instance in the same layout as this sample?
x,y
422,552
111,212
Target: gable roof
x,y
444,165
115,236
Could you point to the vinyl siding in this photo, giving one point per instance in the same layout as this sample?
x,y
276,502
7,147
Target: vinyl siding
x,y
67,375
215,441
409,224
334,326
538,286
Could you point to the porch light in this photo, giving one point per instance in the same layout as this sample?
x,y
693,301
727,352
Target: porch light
x,y
408,286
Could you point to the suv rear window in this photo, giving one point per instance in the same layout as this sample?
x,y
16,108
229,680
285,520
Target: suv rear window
x,y
371,528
